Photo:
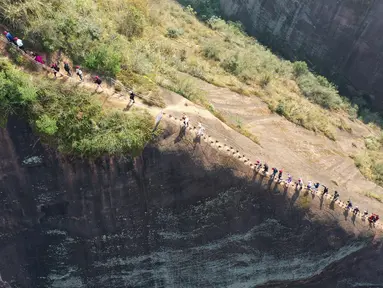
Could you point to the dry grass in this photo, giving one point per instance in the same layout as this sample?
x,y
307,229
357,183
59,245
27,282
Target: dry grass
x,y
374,196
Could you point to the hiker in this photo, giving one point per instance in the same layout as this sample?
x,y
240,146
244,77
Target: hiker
x,y
373,218
98,81
8,36
325,190
309,185
336,196
289,179
67,69
316,186
55,69
79,73
19,43
201,130
365,213
275,171
258,165
356,210
265,168
38,59
185,121
280,175
131,95
300,183
349,205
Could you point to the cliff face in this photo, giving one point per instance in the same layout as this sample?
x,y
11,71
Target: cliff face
x,y
174,217
341,39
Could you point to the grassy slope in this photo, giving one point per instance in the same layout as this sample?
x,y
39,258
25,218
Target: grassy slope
x,y
158,42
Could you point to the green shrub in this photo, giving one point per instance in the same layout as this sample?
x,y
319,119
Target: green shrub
x,y
300,68
132,23
104,59
372,143
231,65
174,32
326,96
16,90
46,125
210,51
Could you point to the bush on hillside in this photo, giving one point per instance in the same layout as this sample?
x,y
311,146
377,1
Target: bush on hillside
x,y
46,125
300,68
174,32
105,59
16,91
132,23
231,64
326,96
210,51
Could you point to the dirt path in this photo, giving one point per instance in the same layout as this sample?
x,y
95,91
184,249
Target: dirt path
x,y
283,144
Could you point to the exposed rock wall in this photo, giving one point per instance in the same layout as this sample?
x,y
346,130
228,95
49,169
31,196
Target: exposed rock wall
x,y
340,38
182,215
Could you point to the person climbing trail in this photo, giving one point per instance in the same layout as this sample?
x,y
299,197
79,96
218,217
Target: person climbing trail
x,y
201,130
79,73
9,36
67,69
365,213
131,95
356,210
280,175
258,165
289,179
185,121
38,58
325,190
316,186
55,69
309,184
300,183
336,196
349,205
98,81
19,43
275,171
265,168
373,218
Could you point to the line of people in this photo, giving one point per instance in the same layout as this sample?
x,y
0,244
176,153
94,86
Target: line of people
x,y
313,187
97,80
15,40
55,66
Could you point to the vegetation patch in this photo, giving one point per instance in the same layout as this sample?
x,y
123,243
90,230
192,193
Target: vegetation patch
x,y
374,196
70,118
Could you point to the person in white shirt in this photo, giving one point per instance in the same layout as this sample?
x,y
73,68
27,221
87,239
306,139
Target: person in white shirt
x,y
201,130
19,43
79,73
185,121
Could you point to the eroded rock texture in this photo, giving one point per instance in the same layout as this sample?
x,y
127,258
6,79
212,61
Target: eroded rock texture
x,y
179,216
340,38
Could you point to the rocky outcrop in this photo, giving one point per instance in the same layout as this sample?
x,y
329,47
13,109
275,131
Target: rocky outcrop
x,y
181,215
340,39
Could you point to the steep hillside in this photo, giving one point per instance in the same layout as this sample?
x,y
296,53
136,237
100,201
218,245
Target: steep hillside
x,y
180,215
338,38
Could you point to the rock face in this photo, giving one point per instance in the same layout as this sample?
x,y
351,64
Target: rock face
x,y
174,217
341,39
